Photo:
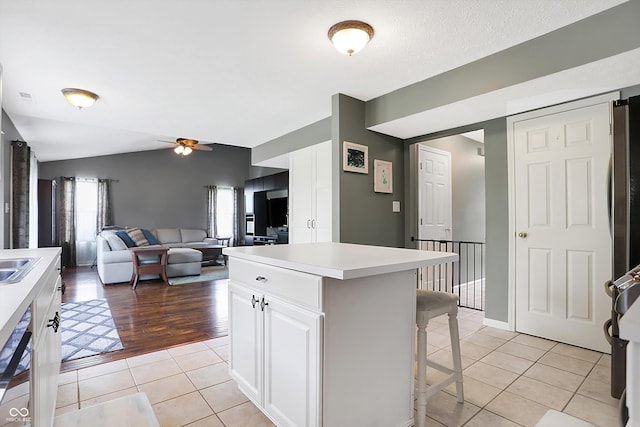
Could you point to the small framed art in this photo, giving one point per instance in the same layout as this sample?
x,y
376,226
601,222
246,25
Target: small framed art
x,y
355,157
382,176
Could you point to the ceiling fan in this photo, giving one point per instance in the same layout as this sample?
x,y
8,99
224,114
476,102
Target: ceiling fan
x,y
184,146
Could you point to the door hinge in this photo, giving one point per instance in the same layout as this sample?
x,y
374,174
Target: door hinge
x,y
420,221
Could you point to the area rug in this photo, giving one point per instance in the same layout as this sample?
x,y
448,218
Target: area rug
x,y
207,274
88,329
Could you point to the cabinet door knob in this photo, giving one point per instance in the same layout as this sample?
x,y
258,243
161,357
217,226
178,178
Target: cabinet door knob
x,y
254,301
261,279
263,303
522,234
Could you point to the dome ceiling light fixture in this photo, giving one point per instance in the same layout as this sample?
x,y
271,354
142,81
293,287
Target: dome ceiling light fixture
x,y
79,97
349,37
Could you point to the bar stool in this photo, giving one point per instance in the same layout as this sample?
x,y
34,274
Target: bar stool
x,y
431,304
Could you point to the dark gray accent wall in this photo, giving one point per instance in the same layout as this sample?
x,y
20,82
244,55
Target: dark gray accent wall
x,y
157,188
576,44
315,133
366,217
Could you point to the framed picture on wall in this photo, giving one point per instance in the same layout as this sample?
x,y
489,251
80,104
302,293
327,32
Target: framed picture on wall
x,y
355,157
382,176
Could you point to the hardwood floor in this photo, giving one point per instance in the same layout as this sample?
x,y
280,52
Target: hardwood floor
x,y
152,317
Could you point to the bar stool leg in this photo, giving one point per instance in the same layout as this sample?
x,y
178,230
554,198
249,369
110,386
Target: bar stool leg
x,y
455,349
421,395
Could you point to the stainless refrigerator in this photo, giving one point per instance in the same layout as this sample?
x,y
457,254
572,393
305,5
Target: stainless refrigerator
x,y
624,206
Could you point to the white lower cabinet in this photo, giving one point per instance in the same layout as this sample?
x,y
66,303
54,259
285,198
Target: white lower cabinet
x,y
275,353
311,350
46,346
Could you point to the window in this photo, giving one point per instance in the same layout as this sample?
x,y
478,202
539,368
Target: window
x,y
224,212
85,216
222,206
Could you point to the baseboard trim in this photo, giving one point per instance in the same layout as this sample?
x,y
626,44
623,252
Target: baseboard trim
x,y
497,324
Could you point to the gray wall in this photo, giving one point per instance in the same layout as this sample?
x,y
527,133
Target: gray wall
x,y
497,220
467,186
366,217
159,189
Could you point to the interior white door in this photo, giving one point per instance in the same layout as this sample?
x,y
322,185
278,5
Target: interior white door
x,y
322,223
562,243
434,194
301,196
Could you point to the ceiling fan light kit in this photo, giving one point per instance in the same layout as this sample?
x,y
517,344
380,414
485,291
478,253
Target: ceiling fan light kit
x,y
185,146
350,37
79,97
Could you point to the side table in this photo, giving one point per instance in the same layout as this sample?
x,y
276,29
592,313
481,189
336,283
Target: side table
x,y
140,268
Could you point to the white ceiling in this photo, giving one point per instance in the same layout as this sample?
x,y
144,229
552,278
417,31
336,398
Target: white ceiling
x,y
242,72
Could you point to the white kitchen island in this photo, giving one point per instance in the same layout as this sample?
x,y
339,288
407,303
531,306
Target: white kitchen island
x,y
322,334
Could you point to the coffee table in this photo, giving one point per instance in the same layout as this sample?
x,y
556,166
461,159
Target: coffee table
x,y
210,253
140,268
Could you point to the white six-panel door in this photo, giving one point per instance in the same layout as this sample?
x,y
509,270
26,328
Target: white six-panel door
x,y
562,242
434,194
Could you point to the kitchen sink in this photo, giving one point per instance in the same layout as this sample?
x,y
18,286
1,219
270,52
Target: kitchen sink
x,y
13,270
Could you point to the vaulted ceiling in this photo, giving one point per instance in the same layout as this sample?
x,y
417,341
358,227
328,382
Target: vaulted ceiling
x,y
242,72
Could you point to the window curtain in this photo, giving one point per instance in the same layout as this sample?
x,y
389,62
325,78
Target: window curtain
x,y
105,215
20,179
234,238
212,193
33,202
66,215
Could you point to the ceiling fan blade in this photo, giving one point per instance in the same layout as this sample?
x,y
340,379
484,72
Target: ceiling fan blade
x,y
168,142
201,147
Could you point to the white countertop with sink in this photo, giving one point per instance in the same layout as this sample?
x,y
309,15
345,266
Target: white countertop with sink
x,y
16,297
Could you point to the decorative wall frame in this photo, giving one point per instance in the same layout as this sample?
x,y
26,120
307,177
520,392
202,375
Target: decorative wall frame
x,y
382,176
355,157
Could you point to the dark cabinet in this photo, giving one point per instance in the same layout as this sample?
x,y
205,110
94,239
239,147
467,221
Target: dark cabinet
x,y
256,204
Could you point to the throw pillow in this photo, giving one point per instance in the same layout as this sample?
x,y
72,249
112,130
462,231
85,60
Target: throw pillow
x,y
138,237
115,242
126,239
150,237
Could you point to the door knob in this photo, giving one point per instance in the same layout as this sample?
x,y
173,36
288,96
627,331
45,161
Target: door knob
x,y
522,234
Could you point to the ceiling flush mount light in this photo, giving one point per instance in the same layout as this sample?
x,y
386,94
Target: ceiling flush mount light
x,y
79,97
350,37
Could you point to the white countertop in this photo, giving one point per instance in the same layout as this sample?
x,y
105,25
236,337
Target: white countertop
x,y
340,260
16,297
630,323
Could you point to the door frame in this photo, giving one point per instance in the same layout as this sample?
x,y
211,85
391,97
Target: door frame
x,y
511,121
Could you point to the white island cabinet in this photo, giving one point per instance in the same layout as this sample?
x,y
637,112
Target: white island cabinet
x,y
322,334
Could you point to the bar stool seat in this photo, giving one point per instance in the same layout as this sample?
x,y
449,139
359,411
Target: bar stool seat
x,y
432,304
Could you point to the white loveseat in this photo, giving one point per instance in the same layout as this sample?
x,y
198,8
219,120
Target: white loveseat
x,y
114,258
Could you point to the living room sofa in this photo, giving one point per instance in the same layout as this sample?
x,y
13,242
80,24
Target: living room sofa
x,y
114,258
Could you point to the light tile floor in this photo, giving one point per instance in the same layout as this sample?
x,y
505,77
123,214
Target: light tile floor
x,y
510,379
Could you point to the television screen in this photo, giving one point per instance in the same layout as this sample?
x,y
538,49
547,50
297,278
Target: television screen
x,y
277,212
